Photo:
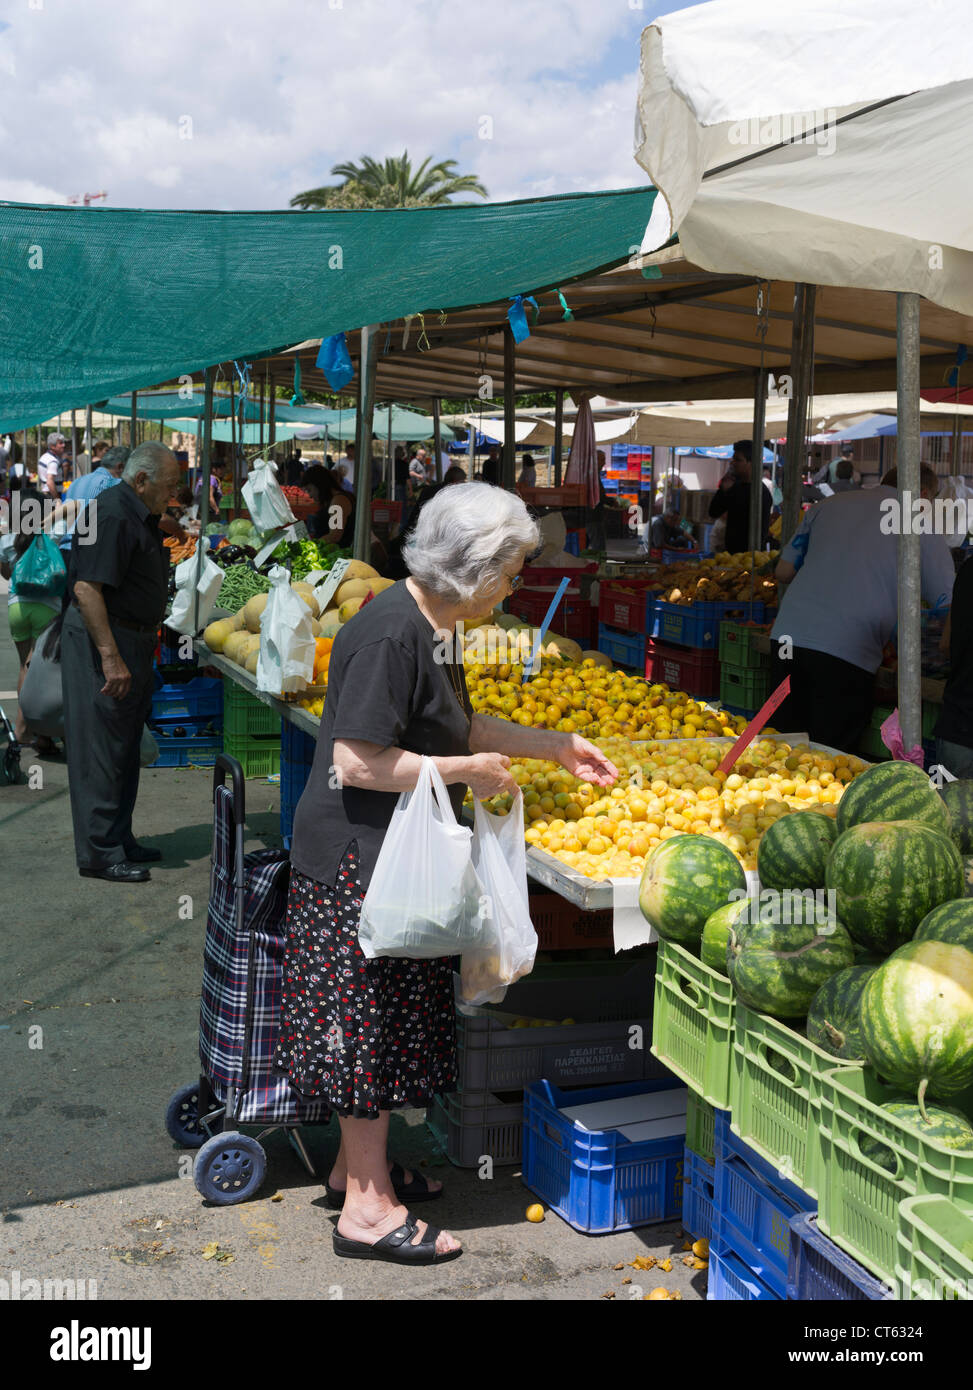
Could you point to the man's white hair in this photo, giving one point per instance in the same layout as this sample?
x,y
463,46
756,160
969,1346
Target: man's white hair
x,y
467,538
150,457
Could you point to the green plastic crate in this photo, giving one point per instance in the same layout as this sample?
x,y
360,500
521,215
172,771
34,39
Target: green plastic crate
x,y
244,716
259,757
858,1200
935,1261
700,1127
744,688
737,646
692,1023
775,1085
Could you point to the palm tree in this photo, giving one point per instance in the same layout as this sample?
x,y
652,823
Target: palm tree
x,y
393,184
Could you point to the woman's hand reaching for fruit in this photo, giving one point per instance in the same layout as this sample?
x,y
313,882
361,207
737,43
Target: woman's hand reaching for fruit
x,y
586,761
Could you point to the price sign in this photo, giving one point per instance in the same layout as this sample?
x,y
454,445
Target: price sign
x,y
330,583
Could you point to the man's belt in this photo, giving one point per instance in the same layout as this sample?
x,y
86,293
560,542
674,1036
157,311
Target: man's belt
x,y
124,622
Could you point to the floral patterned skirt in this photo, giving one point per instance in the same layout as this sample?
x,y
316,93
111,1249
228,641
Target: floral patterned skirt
x,y
362,1035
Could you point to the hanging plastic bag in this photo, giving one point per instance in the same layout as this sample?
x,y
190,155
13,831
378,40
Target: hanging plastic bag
x,y
267,505
40,571
509,944
195,575
286,660
424,896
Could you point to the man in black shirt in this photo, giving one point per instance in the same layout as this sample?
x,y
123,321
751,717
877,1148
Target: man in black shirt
x,y
954,728
733,499
117,582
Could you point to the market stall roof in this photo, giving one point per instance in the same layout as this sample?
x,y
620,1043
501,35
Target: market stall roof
x,y
824,141
98,301
337,424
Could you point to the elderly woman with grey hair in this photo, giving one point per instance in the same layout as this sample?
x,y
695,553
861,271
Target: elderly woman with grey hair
x,y
371,1036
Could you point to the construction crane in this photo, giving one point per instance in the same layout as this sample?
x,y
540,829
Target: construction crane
x,y
86,198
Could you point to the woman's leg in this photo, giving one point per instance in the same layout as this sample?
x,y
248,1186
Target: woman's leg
x,y
371,1209
24,649
338,1177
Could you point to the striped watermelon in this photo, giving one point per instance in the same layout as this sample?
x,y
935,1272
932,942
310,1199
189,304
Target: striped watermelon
x,y
917,1019
946,1127
833,1020
716,934
892,791
958,798
684,882
952,922
793,852
778,969
886,876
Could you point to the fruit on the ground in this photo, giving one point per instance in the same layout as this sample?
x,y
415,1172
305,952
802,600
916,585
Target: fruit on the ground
x,y
917,1019
253,611
834,1016
958,798
887,875
777,967
716,934
893,791
794,851
687,878
943,1126
216,634
349,608
951,922
535,1212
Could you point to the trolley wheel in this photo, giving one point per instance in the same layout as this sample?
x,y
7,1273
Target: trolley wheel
x,y
229,1168
182,1117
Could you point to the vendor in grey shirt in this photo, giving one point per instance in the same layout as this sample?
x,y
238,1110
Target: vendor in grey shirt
x,y
840,608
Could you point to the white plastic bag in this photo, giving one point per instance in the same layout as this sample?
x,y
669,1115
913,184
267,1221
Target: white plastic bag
x,y
286,659
509,943
424,896
267,505
192,575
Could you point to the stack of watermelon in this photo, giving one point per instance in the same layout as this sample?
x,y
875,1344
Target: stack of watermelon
x,y
874,943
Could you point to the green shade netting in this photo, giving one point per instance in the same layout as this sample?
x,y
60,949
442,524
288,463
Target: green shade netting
x,y
95,301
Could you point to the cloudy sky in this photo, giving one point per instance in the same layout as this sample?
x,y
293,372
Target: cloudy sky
x,y
186,104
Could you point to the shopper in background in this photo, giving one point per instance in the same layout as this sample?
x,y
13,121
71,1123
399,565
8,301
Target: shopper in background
x,y
733,501
117,587
954,728
372,1036
417,472
528,472
829,472
84,488
667,533
335,518
50,465
88,462
841,605
345,468
844,477
29,614
490,469
401,475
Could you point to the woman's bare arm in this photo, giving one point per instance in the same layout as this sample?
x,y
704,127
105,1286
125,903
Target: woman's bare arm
x,y
373,768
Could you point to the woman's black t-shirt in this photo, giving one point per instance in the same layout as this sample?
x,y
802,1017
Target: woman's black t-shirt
x,y
385,686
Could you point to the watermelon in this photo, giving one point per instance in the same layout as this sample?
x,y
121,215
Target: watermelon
x,y
952,922
887,875
833,1019
948,1128
684,882
793,852
958,799
892,791
917,1019
778,968
716,934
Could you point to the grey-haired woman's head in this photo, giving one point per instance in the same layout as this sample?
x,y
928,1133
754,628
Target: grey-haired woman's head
x,y
470,540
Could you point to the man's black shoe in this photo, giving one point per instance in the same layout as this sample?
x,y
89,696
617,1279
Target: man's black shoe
x,y
122,872
142,854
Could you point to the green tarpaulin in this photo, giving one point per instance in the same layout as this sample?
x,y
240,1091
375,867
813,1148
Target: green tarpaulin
x,y
95,301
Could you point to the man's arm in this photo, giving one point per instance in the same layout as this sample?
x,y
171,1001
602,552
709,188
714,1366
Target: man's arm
x,y
118,678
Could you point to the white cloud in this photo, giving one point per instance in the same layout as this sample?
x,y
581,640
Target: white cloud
x,y
277,93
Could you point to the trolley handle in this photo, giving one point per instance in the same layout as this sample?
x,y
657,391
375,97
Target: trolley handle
x,y
225,764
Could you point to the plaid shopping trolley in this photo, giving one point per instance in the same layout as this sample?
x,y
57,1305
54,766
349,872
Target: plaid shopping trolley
x,y
239,1013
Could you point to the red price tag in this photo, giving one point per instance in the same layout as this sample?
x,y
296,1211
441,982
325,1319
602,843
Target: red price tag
x,y
756,724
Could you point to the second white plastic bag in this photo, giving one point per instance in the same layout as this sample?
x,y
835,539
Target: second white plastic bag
x,y
197,574
286,660
424,896
508,944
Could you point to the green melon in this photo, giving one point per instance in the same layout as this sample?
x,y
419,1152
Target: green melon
x,y
917,1019
778,968
716,934
833,1020
892,791
793,852
958,799
684,882
887,875
952,922
947,1128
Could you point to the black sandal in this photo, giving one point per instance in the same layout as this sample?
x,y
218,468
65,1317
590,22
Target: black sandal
x,y
415,1191
397,1247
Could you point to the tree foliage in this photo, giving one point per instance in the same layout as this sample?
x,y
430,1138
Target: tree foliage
x,y
390,184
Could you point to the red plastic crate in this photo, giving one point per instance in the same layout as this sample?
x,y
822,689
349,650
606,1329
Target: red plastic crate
x,y
552,574
572,617
561,926
616,608
567,495
386,513
692,669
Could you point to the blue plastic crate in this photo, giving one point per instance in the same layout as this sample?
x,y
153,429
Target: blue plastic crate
x,y
201,751
571,543
680,557
727,1144
624,648
296,756
199,698
730,1281
599,1181
169,650
696,624
818,1272
698,1197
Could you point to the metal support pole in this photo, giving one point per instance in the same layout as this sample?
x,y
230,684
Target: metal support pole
x,y
757,460
234,451
558,433
74,446
367,362
471,452
89,436
956,447
271,415
801,364
437,439
207,439
508,469
907,462
262,416
389,464
133,421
